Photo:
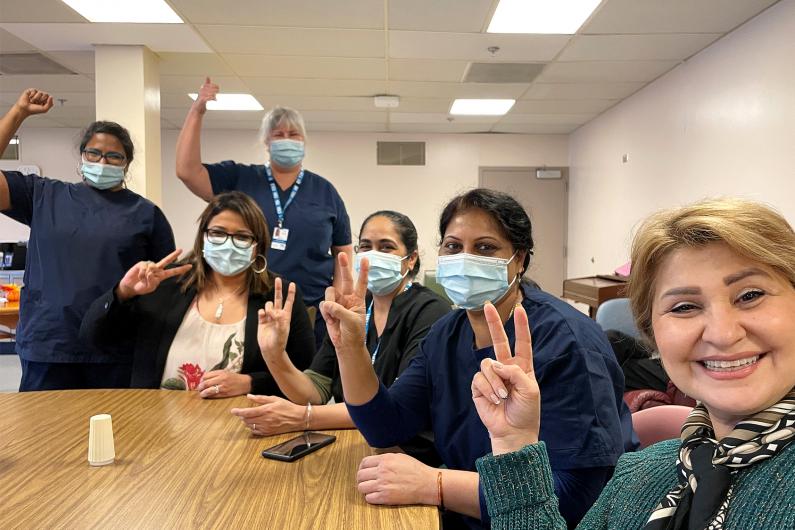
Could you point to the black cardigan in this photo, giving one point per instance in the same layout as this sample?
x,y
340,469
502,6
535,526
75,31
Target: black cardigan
x,y
147,325
410,317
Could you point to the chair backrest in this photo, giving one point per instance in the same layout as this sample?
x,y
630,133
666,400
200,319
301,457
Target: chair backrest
x,y
429,281
660,423
615,314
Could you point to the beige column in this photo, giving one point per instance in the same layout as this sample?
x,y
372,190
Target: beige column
x,y
128,92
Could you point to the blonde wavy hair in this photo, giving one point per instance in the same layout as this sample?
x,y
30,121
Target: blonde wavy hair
x,y
751,229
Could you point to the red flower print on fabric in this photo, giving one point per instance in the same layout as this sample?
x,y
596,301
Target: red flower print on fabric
x,y
191,374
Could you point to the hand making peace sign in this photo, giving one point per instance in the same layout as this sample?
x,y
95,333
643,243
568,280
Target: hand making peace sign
x,y
505,391
273,327
343,310
145,276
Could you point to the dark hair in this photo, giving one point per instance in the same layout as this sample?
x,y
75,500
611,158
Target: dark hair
x,y
114,129
509,214
245,207
405,229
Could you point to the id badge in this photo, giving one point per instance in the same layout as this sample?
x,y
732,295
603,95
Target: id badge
x,y
279,240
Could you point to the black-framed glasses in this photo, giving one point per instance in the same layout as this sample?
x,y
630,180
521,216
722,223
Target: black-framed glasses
x,y
113,158
219,237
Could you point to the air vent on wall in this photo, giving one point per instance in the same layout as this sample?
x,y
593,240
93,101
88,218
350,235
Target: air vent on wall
x,y
401,153
502,72
29,64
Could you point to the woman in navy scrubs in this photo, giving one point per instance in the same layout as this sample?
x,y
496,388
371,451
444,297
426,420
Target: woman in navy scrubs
x,y
83,238
309,219
486,245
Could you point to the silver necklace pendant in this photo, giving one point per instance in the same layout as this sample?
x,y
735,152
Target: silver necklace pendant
x,y
219,310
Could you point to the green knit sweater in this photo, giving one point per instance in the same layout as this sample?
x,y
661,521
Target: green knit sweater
x,y
520,493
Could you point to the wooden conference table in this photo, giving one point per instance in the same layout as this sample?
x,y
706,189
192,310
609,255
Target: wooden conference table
x,y
181,462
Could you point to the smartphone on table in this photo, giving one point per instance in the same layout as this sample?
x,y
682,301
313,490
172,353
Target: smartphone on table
x,y
299,446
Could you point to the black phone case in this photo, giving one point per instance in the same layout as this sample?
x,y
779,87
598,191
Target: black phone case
x,y
292,458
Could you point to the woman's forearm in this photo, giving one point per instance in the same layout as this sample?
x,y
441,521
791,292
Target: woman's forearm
x,y
9,124
188,156
333,416
295,384
359,382
461,492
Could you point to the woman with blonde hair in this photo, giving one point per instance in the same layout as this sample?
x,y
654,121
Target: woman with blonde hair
x,y
713,287
194,326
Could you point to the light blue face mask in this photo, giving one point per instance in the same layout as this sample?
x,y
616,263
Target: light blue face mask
x,y
226,259
102,176
384,275
287,153
470,281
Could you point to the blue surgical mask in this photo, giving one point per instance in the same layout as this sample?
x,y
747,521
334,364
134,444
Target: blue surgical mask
x,y
226,259
384,275
287,153
102,176
470,281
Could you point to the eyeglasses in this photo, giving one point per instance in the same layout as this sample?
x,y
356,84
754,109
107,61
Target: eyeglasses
x,y
219,237
111,157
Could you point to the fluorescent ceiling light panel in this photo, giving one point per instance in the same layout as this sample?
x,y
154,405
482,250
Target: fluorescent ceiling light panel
x,y
541,16
481,107
136,11
231,102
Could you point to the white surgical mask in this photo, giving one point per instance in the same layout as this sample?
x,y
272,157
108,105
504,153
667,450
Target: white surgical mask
x,y
384,275
470,281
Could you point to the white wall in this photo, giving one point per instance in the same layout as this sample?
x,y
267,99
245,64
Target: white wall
x,y
55,152
348,160
721,124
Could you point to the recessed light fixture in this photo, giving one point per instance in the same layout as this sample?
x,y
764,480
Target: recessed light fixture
x,y
481,107
231,102
137,11
541,16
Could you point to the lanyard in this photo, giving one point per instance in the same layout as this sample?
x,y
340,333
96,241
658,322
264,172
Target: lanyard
x,y
276,201
367,325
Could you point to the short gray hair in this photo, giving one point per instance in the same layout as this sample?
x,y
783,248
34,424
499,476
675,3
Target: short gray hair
x,y
280,116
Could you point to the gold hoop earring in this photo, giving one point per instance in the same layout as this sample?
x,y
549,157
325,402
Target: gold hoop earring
x,y
264,264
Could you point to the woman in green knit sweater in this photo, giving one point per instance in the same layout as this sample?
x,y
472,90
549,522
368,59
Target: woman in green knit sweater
x,y
713,288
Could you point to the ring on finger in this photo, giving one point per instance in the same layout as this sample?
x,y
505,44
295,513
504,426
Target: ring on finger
x,y
253,427
217,389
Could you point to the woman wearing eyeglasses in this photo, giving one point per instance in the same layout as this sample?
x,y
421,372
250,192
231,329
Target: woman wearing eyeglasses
x,y
193,326
83,237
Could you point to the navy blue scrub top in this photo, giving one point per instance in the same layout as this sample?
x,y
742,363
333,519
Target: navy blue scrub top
x,y
584,420
82,242
316,218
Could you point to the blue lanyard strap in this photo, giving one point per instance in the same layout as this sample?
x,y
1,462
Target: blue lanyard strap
x,y
367,325
276,201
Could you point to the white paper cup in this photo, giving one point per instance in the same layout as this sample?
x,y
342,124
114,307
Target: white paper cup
x,y
101,451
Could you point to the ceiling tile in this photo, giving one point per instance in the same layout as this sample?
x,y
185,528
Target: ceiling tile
x,y
305,103
426,70
456,90
581,90
80,62
427,117
320,116
42,121
345,127
72,37
202,64
253,118
534,128
439,127
11,44
605,71
673,16
308,87
465,16
636,47
562,106
70,111
234,125
362,14
548,118
295,41
37,11
307,67
436,105
474,46
54,84
184,84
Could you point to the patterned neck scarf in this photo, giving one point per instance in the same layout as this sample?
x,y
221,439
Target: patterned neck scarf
x,y
705,466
